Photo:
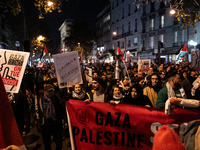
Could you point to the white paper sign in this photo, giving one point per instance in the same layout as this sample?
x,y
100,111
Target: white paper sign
x,y
89,74
67,68
143,65
12,66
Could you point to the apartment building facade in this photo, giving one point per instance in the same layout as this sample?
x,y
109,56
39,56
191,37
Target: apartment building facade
x,y
138,28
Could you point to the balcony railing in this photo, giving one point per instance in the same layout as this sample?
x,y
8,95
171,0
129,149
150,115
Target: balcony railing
x,y
143,48
143,31
122,35
175,22
175,44
151,47
161,26
151,28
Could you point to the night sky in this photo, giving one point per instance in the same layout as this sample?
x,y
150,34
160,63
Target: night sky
x,y
84,10
81,10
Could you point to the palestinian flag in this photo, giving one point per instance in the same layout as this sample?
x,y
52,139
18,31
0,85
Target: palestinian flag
x,y
45,52
181,53
9,133
118,68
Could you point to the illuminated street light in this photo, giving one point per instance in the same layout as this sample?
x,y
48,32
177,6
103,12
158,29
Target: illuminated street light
x,y
49,3
40,37
114,33
193,43
172,11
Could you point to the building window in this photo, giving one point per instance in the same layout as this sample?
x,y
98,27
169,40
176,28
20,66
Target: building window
x,y
151,24
143,44
175,39
135,9
122,44
129,43
183,35
136,25
117,2
151,42
135,41
144,9
113,5
152,6
118,43
143,27
129,9
162,22
122,29
122,13
129,26
161,37
175,36
122,1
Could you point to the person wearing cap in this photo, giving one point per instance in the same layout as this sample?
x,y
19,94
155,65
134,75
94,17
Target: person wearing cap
x,y
97,94
51,111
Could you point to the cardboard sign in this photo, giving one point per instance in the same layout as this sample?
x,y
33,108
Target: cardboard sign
x,y
143,65
101,126
67,68
196,59
12,66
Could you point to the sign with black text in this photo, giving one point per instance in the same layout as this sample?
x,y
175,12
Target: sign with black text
x,y
12,66
67,68
101,126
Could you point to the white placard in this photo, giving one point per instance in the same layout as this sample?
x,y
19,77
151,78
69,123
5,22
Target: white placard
x,y
143,65
67,68
89,74
12,66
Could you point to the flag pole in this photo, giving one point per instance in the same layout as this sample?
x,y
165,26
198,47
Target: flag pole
x,y
127,73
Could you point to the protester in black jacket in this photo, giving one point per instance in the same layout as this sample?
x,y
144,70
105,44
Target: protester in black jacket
x,y
21,111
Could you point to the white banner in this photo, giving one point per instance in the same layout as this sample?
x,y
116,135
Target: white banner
x,y
67,68
12,66
143,65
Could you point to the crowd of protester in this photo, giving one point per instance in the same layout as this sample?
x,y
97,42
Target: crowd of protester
x,y
41,97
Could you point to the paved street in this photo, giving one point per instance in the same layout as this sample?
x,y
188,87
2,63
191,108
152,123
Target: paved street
x,y
33,140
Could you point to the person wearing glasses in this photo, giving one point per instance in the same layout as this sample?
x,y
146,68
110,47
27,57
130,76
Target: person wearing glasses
x,y
154,86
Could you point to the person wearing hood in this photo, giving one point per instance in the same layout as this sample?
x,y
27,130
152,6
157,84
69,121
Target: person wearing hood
x,y
136,97
187,83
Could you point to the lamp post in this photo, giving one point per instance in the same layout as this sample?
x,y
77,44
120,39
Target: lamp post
x,y
173,12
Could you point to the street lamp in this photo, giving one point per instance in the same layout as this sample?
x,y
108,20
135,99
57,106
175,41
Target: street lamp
x,y
40,38
193,43
173,12
17,44
49,3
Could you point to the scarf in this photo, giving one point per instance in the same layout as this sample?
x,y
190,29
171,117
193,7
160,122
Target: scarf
x,y
50,111
196,84
78,96
117,97
171,93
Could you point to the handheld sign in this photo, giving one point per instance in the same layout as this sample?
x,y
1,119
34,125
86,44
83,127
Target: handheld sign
x,y
143,65
12,66
67,68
